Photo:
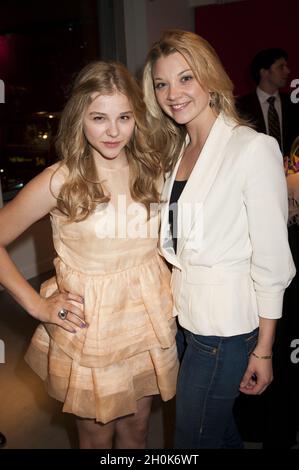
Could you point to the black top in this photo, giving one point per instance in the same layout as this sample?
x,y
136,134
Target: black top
x,y
177,190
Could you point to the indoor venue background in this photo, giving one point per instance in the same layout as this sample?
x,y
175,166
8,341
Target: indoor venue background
x,y
43,44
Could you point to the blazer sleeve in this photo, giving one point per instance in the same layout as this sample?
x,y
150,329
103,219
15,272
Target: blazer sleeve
x,y
266,200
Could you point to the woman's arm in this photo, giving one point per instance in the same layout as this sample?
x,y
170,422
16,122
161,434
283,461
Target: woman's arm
x,y
259,372
272,268
31,204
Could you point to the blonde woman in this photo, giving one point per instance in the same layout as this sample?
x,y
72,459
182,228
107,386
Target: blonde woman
x,y
106,342
223,228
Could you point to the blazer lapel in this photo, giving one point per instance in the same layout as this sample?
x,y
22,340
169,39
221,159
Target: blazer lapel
x,y
190,204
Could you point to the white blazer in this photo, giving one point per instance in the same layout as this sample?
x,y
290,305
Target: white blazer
x,y
233,260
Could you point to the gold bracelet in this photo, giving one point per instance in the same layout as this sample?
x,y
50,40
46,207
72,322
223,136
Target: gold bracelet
x,y
261,357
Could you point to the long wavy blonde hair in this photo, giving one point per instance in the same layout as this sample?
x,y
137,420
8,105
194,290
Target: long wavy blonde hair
x,y
168,136
81,192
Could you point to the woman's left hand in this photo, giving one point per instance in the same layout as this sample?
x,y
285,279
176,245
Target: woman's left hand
x,y
257,377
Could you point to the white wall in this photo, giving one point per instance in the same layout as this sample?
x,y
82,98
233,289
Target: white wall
x,y
144,22
136,34
163,14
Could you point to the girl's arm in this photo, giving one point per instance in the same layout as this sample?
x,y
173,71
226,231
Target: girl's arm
x,y
31,204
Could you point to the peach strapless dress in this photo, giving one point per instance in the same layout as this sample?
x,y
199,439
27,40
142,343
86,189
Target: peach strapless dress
x,y
128,351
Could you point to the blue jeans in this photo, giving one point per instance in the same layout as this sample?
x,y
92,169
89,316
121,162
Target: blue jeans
x,y
208,384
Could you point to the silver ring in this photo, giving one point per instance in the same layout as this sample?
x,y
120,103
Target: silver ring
x,y
62,313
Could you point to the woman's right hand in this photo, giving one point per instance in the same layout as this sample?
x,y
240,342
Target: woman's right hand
x,y
49,307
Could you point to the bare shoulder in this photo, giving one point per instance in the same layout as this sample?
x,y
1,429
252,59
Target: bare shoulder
x,y
33,202
58,168
57,175
42,191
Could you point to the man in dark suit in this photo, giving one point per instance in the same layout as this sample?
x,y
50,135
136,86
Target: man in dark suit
x,y
270,71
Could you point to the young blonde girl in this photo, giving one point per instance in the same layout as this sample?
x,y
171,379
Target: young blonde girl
x,y
106,342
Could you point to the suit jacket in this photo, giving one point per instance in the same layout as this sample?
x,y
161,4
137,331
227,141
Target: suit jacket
x,y
233,261
249,108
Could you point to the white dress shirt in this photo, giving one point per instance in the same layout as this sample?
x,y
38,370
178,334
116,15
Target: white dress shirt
x,y
263,97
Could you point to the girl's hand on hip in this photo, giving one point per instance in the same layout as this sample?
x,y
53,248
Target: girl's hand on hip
x,y
62,309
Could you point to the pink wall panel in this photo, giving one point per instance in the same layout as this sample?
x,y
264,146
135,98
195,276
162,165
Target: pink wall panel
x,y
238,30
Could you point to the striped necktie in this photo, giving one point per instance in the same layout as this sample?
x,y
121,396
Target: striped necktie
x,y
273,120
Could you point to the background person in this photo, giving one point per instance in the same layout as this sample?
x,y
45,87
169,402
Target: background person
x,y
270,110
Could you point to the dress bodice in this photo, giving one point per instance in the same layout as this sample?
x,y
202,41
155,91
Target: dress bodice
x,y
116,236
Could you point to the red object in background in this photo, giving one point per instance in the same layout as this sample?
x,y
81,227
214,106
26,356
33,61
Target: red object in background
x,y
4,49
239,30
5,57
